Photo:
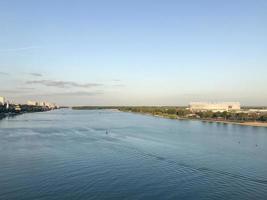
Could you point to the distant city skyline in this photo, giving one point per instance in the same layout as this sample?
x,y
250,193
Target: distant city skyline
x,y
134,52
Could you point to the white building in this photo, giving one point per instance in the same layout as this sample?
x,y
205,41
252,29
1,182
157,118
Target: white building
x,y
51,105
32,103
2,100
214,107
47,104
42,103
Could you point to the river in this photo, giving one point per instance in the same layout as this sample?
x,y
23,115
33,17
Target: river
x,y
107,154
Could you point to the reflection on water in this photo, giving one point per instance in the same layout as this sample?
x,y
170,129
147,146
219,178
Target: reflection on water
x,y
67,154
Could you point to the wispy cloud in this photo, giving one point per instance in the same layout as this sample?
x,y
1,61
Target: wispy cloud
x,y
36,74
4,73
15,91
19,91
74,94
63,84
118,85
25,88
78,93
20,49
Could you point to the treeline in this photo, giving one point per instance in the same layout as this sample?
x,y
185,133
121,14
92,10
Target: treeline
x,y
153,109
181,112
22,108
13,110
232,116
164,111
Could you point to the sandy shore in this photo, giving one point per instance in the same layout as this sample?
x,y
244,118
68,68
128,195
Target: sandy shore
x,y
257,124
260,124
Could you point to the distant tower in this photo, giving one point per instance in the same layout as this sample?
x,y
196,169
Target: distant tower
x,y
7,105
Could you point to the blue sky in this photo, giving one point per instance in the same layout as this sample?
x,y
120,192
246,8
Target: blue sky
x,y
134,52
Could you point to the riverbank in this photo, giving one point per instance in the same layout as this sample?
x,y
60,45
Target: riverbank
x,y
174,117
182,113
256,124
13,110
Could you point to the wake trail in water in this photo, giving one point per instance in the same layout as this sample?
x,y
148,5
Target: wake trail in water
x,y
201,169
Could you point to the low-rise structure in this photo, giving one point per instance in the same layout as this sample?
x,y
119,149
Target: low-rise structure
x,y
214,107
17,108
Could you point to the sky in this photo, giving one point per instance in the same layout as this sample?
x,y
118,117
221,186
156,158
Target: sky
x,y
139,52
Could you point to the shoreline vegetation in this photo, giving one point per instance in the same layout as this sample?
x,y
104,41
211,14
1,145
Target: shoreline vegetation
x,y
14,110
182,113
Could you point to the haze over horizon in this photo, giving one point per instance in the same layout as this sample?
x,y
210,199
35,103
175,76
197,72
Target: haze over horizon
x,y
134,53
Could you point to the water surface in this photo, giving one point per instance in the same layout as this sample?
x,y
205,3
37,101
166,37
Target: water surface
x,y
67,154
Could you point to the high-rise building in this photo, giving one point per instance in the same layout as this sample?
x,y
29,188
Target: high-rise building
x,y
7,105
